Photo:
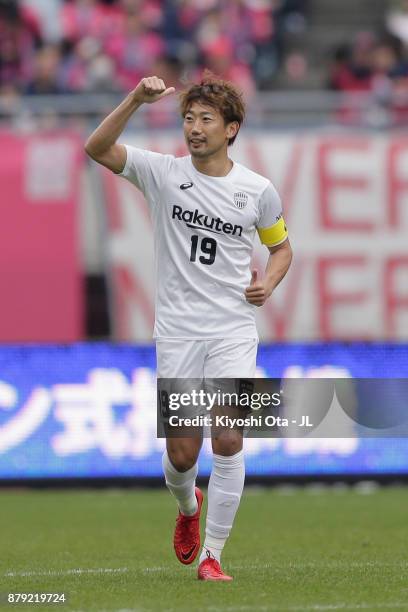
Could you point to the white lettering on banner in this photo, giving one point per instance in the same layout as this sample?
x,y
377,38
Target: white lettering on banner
x,y
27,421
106,413
8,396
345,201
87,413
48,169
116,416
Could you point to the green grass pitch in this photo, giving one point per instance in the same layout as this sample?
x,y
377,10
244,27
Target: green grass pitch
x,y
294,550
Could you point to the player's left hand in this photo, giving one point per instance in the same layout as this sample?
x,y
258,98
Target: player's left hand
x,y
257,293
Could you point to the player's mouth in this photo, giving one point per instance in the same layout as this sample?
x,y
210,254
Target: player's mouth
x,y
196,142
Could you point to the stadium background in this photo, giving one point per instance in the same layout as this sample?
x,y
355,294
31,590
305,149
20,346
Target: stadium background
x,y
327,90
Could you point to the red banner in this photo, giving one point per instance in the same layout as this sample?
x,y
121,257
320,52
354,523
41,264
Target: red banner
x,y
41,293
345,202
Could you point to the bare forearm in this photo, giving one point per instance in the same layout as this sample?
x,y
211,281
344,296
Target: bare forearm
x,y
277,267
108,132
278,264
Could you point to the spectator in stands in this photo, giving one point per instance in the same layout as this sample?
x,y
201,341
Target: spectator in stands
x,y
387,63
179,23
220,50
370,66
20,35
86,18
45,79
134,47
390,78
150,11
219,57
86,68
97,45
253,27
378,68
351,69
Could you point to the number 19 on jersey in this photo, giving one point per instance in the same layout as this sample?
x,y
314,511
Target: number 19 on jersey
x,y
208,246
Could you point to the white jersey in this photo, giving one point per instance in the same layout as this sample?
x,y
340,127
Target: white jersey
x,y
204,228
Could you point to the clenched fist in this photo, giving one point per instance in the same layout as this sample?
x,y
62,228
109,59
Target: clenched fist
x,y
151,89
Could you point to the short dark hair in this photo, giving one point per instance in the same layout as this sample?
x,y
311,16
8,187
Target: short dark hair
x,y
221,95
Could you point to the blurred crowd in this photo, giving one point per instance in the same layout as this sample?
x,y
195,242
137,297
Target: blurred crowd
x,y
71,46
371,63
377,63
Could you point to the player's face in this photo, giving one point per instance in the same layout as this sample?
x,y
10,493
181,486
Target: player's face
x,y
205,130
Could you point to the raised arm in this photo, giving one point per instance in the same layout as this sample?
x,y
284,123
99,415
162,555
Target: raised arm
x,y
101,144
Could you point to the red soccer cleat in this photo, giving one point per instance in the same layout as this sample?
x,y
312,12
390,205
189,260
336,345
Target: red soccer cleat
x,y
187,533
210,569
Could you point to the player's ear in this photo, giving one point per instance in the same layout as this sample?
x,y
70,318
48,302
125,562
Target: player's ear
x,y
232,129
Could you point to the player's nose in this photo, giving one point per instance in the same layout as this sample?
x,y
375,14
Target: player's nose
x,y
196,129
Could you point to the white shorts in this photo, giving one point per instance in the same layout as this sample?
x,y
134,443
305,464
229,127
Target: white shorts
x,y
211,365
223,358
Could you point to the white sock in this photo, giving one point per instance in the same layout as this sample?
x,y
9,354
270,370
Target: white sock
x,y
181,485
224,494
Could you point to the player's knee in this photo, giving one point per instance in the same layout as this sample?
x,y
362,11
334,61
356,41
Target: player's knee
x,y
227,443
183,459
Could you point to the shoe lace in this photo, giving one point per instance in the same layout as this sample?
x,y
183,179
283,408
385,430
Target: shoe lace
x,y
216,566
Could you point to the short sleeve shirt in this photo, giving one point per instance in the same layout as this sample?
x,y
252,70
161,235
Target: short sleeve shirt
x,y
204,228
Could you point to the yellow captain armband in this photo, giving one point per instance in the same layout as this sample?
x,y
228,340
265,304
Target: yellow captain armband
x,y
275,234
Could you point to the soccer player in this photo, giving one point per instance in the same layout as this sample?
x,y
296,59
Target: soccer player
x,y
205,210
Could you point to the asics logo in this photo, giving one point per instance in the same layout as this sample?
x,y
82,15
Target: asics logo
x,y
186,186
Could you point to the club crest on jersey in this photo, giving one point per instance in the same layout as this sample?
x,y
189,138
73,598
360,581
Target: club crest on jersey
x,y
240,199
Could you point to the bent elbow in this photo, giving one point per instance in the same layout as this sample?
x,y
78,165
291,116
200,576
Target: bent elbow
x,y
89,150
